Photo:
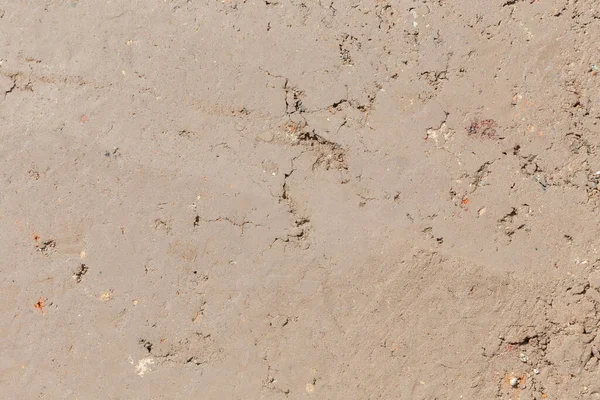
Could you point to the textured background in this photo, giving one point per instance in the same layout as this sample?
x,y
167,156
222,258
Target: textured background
x,y
285,199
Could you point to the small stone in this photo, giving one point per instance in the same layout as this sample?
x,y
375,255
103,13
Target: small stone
x,y
536,371
523,357
106,296
266,135
514,382
594,279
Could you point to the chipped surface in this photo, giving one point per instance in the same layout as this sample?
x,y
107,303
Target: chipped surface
x,y
289,199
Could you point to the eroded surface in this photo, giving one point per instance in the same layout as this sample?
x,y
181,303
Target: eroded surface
x,y
285,199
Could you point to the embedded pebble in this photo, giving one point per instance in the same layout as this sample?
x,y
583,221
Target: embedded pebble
x,y
594,279
514,382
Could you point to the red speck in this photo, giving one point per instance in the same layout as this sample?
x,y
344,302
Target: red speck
x,y
41,303
84,119
483,128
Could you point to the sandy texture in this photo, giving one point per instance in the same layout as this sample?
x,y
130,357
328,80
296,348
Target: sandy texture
x,y
286,200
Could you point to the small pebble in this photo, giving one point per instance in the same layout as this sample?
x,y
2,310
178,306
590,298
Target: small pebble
x,y
523,357
536,371
514,382
594,279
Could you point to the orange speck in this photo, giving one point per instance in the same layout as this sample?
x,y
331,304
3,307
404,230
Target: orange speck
x,y
84,119
464,201
291,127
544,395
41,303
163,340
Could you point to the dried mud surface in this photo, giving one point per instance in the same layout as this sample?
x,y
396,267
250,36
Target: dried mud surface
x,y
286,199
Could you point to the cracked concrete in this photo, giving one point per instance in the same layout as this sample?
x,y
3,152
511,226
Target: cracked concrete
x,y
296,199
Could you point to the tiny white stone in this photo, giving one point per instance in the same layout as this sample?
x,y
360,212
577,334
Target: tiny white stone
x,y
514,382
536,371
